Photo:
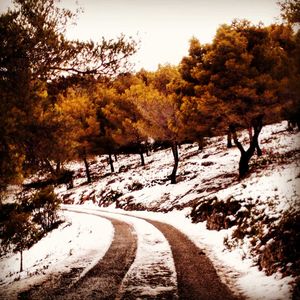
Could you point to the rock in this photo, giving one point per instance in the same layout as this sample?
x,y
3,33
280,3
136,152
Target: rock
x,y
216,213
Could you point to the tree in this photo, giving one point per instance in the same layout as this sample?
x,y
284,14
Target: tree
x,y
175,127
102,95
124,81
78,117
292,108
200,119
123,114
25,221
247,154
240,76
13,85
290,10
45,205
159,118
42,135
48,52
34,49
19,232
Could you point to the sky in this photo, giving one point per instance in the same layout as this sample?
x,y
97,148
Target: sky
x,y
164,27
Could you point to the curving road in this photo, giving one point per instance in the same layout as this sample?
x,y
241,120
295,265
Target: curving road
x,y
196,276
102,281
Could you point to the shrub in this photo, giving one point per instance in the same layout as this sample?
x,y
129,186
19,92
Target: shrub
x,y
219,214
108,197
46,204
18,233
281,246
135,186
25,222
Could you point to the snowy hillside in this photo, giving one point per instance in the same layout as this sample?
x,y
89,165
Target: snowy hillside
x,y
245,217
272,189
212,171
269,194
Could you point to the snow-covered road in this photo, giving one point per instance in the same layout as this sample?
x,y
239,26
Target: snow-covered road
x,y
152,273
167,264
138,262
77,244
158,261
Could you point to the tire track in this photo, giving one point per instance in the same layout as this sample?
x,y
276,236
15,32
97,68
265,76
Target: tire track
x,y
152,274
196,275
103,280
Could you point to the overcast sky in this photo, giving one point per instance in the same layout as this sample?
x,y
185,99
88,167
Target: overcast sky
x,y
163,26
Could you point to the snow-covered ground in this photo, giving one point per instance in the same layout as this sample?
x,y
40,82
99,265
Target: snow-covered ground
x,y
153,252
273,187
77,243
240,274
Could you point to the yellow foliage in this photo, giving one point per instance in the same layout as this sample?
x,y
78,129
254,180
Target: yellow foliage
x,y
78,115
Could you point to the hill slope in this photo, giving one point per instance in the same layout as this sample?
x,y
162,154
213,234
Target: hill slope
x,y
248,228
258,216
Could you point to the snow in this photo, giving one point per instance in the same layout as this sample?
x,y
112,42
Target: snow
x,y
153,253
239,274
153,271
273,188
267,289
78,243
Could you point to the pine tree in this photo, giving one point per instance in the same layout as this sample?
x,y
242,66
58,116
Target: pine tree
x,y
290,11
123,114
104,143
19,232
237,80
45,206
34,49
80,126
159,118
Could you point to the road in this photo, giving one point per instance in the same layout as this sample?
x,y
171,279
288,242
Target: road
x,y
196,277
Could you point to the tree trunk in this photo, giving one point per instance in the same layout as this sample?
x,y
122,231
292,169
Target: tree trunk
x,y
229,138
142,156
21,260
176,160
246,155
49,166
201,143
244,159
258,150
111,163
58,165
147,150
70,183
250,133
257,126
244,164
87,170
116,157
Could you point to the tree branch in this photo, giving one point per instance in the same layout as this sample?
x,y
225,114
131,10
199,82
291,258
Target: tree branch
x,y
235,139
